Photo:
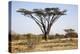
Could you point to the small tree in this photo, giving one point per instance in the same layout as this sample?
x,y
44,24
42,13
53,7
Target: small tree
x,y
44,18
70,33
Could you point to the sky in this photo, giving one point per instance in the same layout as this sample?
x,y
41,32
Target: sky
x,y
22,24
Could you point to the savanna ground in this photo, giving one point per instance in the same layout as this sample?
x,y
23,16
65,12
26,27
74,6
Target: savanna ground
x,y
36,43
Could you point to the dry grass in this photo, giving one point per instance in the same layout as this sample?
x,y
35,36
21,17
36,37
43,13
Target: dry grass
x,y
42,45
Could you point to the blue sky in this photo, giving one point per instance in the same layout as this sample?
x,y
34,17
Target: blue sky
x,y
21,24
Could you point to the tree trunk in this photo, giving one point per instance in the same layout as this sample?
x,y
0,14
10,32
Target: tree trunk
x,y
46,36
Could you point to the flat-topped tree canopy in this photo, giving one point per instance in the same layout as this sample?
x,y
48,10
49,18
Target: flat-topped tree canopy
x,y
43,17
53,11
69,30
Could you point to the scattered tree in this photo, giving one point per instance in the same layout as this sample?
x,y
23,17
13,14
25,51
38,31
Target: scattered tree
x,y
70,33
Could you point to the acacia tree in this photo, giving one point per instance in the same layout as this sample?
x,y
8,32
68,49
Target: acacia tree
x,y
70,33
44,18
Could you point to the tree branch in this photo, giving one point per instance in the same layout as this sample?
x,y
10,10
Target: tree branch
x,y
38,23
